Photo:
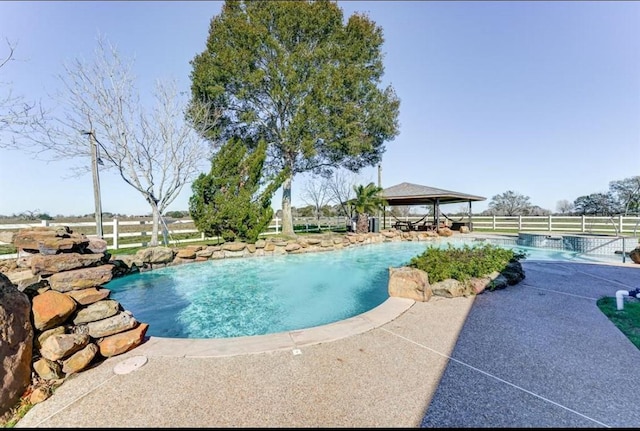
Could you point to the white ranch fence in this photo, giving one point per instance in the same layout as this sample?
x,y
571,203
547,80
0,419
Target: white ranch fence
x,y
617,225
120,233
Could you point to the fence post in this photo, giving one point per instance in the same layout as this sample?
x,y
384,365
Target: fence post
x,y
494,222
583,223
550,223
620,224
519,222
115,233
277,219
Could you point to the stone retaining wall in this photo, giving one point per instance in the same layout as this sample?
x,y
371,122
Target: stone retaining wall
x,y
70,322
158,257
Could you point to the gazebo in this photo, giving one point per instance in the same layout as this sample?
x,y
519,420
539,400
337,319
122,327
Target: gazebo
x,y
415,194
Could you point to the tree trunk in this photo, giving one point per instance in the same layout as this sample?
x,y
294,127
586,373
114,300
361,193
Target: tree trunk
x,y
362,225
287,217
156,223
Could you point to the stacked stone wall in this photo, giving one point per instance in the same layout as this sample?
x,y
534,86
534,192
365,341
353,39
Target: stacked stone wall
x,y
71,320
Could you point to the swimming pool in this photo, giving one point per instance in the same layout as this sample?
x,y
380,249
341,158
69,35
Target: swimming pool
x,y
263,295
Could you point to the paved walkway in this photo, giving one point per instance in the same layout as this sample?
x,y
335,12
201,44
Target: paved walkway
x,y
538,354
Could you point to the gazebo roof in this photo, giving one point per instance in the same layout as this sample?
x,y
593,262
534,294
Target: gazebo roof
x,y
415,194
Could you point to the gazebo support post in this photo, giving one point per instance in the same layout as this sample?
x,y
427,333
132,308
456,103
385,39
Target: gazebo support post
x,y
384,217
434,213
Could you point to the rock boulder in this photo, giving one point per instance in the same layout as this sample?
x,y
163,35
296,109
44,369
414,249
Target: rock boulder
x,y
16,344
409,283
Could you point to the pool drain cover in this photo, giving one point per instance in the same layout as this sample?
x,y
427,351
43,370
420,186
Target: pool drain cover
x,y
130,364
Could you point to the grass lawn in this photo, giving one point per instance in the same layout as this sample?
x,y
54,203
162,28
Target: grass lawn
x,y
627,319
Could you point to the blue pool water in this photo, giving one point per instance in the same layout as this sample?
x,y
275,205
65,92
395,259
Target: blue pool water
x,y
263,295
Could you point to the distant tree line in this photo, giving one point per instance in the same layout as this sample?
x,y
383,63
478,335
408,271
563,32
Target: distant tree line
x,y
28,216
623,197
36,215
328,197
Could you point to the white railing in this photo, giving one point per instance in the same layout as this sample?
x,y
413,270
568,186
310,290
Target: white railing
x,y
117,230
606,225
614,225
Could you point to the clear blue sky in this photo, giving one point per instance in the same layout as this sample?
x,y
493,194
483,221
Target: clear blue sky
x,y
541,98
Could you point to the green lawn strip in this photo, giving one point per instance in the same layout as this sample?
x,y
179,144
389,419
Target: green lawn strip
x,y
626,320
7,249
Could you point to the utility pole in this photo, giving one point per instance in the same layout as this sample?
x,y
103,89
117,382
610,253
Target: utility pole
x,y
96,182
380,186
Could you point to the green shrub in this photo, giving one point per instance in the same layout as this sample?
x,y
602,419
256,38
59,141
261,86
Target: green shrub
x,y
463,263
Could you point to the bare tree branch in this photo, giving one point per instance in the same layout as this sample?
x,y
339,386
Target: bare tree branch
x,y
155,152
15,112
316,193
9,56
341,188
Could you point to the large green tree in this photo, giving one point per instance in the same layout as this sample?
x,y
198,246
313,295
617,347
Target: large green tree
x,y
604,204
231,201
623,197
510,203
627,194
294,74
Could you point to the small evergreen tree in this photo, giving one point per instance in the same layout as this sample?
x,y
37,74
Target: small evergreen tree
x,y
367,201
228,202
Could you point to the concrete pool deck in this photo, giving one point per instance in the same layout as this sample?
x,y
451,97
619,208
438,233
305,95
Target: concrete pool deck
x,y
538,354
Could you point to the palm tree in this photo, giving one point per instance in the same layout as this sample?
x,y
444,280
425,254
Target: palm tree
x,y
367,201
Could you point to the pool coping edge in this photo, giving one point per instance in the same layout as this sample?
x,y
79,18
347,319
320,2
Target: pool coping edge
x,y
384,313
